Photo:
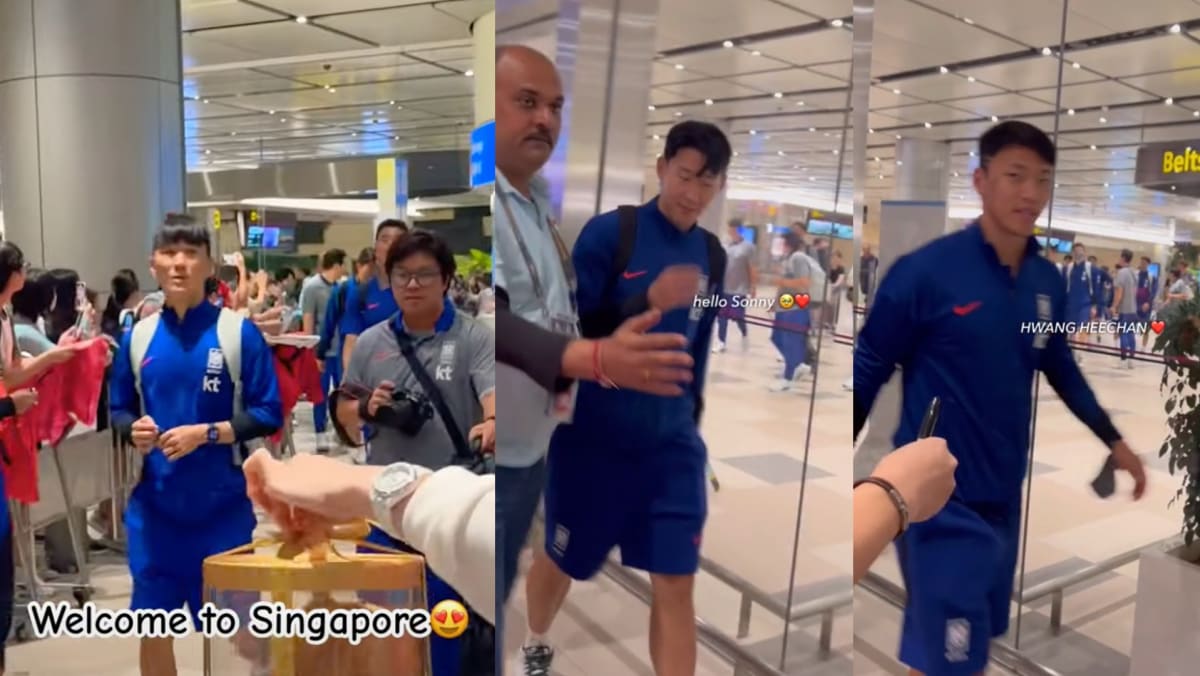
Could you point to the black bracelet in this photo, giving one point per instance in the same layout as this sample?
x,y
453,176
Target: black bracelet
x,y
894,495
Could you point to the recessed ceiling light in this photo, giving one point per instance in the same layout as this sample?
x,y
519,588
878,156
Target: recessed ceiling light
x,y
812,178
968,20
283,119
836,152
943,70
652,107
970,78
799,103
391,103
870,131
812,129
995,119
207,152
399,107
679,66
1093,146
1172,188
270,112
469,73
333,90
1103,120
779,95
971,153
876,159
1170,101
1196,113
1070,111
353,134
881,177
1105,185
395,138
899,137
708,102
753,132
1176,28
896,92
233,133
956,174
735,153
779,152
929,125
656,137
756,53
1046,51
899,163
836,23
678,114
205,100
1076,65
301,19
727,44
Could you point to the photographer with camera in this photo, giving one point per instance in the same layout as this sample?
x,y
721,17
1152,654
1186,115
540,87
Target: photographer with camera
x,y
423,383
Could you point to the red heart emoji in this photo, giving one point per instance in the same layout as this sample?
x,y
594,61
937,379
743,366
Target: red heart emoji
x,y
440,616
802,301
457,616
1157,327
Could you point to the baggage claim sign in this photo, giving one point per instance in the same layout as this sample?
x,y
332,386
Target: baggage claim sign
x,y
1172,168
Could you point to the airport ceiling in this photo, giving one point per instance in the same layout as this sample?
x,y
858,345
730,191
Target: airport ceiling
x,y
274,80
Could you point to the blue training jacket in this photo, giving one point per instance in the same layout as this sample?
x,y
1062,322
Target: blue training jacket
x,y
949,315
641,419
186,382
362,313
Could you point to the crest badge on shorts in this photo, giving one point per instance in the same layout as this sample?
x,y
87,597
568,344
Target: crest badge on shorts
x,y
958,640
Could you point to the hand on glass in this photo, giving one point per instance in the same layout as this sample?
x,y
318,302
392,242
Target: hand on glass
x,y
923,474
654,363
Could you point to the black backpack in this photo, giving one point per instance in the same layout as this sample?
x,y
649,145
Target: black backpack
x,y
627,219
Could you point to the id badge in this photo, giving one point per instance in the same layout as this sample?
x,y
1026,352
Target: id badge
x,y
565,325
562,405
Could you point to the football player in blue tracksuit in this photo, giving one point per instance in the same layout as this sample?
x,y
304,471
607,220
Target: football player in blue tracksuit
x,y
949,315
629,471
366,308
191,499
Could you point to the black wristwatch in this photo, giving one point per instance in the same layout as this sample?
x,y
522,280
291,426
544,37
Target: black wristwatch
x,y
213,435
894,495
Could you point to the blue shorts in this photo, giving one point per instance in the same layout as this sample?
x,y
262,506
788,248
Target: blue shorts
x,y
958,568
166,557
1081,315
649,501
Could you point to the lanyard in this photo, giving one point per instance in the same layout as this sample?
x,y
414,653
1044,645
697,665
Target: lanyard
x,y
534,277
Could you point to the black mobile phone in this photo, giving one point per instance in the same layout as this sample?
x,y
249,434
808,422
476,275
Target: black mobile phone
x,y
1105,483
929,422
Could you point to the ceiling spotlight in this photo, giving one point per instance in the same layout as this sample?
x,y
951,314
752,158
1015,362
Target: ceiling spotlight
x,y
283,119
1076,65
735,153
391,103
968,20
469,73
1103,120
1172,188
727,44
799,103
1046,51
972,153
1170,101
753,132
207,152
836,23
270,112
899,163
876,159
899,137
205,100
1093,146
679,66
956,174
656,137
301,19
995,119
678,114
779,95
812,129
1105,185
837,152
395,138
1176,28
881,177
970,78
756,53
812,178
870,131
1196,113
354,134
233,133
929,125
399,107
779,152
1070,111
333,90
943,70
708,102
896,92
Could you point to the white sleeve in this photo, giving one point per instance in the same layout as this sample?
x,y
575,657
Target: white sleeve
x,y
452,520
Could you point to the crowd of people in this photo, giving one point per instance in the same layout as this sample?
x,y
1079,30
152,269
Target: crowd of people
x,y
218,327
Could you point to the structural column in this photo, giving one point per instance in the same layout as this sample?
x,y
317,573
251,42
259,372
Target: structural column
x,y
91,130
483,138
916,215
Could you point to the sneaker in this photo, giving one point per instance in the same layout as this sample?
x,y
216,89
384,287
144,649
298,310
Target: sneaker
x,y
323,443
849,384
718,347
537,659
802,371
1129,364
780,385
1120,364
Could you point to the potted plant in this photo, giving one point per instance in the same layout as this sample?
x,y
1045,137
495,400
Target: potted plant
x,y
474,262
1167,619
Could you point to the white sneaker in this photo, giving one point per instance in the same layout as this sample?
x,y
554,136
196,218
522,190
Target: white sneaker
x,y
849,384
802,371
1129,364
781,385
323,443
779,360
718,347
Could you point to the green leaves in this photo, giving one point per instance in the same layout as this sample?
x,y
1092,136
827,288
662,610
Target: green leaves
x,y
1179,343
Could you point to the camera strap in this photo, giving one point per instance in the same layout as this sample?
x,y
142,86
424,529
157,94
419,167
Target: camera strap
x,y
435,395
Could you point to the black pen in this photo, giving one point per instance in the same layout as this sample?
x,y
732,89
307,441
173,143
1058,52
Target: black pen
x,y
931,418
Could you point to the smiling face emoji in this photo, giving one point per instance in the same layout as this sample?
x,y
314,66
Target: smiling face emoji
x,y
448,619
786,301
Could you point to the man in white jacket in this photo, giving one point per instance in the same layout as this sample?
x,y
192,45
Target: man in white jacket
x,y
449,515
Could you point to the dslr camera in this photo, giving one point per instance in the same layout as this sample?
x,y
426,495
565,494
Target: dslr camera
x,y
407,412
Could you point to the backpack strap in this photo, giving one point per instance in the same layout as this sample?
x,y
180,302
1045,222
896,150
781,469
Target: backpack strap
x,y
229,337
717,260
626,242
139,343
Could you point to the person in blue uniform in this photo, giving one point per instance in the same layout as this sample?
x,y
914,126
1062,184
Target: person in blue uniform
x,y
629,470
366,307
950,316
1084,285
191,499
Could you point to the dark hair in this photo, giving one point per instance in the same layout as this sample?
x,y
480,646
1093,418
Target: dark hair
x,y
12,261
1077,246
33,300
333,257
182,229
1015,133
704,138
793,240
211,286
366,256
421,241
1126,255
1146,258
121,288
391,223
735,222
62,284
282,274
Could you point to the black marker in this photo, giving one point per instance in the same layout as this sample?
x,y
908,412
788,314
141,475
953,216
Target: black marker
x,y
931,418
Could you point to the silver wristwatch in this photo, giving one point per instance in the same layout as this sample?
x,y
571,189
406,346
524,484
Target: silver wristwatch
x,y
397,482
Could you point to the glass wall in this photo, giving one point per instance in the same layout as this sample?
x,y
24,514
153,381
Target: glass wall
x,y
1114,86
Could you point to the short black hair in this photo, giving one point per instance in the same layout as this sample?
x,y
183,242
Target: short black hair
x,y
422,241
1019,134
706,139
179,229
793,240
1146,259
1077,246
1126,255
12,261
333,257
735,222
34,299
390,223
283,274
366,256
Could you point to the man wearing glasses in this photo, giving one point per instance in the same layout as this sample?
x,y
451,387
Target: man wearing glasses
x,y
383,388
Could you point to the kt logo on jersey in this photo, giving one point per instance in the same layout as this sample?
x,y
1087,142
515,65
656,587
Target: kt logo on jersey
x,y
212,374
